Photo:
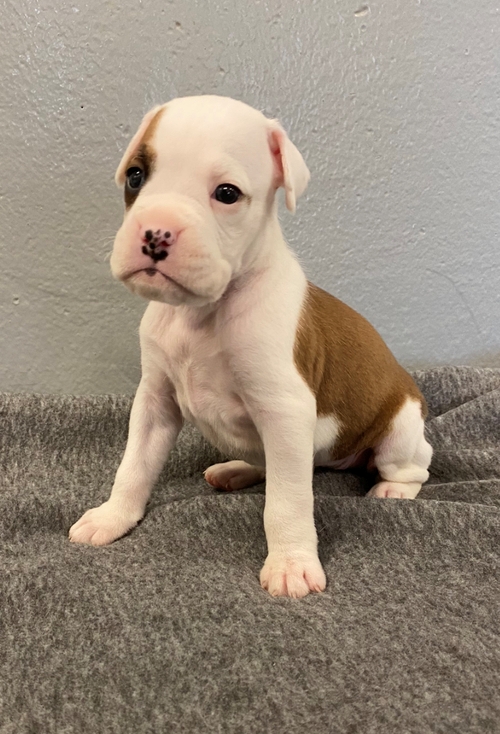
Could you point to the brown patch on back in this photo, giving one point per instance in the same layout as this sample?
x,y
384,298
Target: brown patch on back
x,y
144,157
351,371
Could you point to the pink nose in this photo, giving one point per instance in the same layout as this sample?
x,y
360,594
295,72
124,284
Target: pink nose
x,y
156,242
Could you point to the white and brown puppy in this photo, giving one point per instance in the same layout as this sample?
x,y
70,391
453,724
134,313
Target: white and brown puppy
x,y
272,370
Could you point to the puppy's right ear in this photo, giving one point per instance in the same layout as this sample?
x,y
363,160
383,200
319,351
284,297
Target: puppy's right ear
x,y
134,144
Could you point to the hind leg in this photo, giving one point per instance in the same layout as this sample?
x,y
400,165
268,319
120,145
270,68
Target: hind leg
x,y
234,475
403,457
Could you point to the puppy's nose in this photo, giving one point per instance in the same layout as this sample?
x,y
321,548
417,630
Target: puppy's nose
x,y
156,242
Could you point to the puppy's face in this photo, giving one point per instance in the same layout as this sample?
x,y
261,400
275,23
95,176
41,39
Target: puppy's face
x,y
199,178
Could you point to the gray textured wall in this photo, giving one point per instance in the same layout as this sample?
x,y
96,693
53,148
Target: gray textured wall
x,y
395,106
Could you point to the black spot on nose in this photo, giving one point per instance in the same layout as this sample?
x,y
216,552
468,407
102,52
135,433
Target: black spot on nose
x,y
148,236
159,255
167,235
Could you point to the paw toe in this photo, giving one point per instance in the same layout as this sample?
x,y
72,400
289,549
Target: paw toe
x,y
101,526
395,490
282,576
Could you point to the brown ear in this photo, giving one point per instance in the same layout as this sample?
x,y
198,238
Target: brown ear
x,y
293,173
134,144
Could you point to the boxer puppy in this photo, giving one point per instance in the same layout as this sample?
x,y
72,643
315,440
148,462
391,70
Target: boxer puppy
x,y
274,371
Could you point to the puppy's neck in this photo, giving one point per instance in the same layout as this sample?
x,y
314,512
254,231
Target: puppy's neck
x,y
267,250
268,254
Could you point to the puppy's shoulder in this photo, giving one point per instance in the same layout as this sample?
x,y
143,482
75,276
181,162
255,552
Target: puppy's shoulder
x,y
331,327
343,358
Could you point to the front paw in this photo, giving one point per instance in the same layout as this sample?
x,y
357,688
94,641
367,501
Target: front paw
x,y
102,525
292,575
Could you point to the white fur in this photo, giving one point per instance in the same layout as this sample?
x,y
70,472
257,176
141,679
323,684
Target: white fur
x,y
325,434
217,341
402,458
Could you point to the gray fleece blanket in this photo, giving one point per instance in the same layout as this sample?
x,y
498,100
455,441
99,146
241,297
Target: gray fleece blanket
x,y
167,630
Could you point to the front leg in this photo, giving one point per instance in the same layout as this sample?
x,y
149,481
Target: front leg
x,y
286,424
155,422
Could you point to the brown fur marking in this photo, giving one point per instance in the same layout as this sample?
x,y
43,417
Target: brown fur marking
x,y
351,372
144,157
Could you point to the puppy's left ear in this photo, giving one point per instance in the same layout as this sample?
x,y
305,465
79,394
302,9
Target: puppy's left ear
x,y
134,144
291,170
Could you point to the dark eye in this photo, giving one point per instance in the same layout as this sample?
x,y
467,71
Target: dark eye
x,y
135,178
227,193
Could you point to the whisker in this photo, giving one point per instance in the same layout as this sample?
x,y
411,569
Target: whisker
x,y
103,245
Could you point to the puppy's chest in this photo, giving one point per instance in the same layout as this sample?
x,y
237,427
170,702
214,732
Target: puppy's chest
x,y
199,368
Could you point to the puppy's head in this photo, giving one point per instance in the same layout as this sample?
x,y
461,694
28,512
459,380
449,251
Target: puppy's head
x,y
200,177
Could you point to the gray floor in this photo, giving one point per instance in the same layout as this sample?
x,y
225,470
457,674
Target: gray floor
x,y
167,630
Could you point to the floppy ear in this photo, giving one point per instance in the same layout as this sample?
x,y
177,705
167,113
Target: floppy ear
x,y
293,173
134,145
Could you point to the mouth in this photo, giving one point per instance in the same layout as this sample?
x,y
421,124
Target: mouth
x,y
151,272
